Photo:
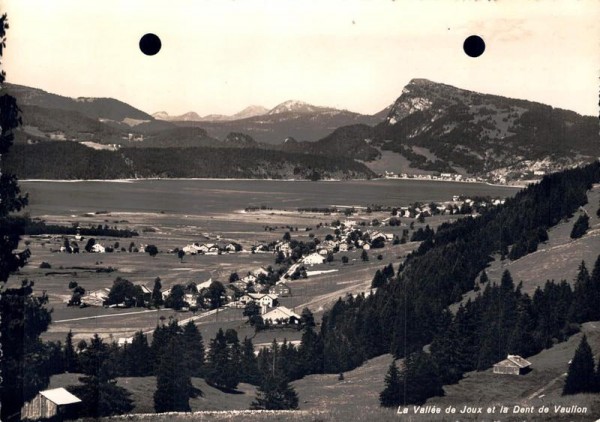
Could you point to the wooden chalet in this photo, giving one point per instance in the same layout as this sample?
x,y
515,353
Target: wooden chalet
x,y
514,365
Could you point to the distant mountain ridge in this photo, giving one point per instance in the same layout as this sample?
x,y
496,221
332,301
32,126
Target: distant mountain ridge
x,y
440,128
192,116
430,128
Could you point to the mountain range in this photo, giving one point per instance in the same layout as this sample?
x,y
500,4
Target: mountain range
x,y
431,128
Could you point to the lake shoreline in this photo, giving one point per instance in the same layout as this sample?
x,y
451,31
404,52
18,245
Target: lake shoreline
x,y
516,186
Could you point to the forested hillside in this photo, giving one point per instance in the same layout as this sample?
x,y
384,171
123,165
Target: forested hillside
x,y
410,309
70,160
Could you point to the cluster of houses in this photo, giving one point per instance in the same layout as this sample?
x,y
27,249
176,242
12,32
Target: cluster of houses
x,y
208,248
453,177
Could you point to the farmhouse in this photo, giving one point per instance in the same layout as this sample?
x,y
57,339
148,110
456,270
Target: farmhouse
x,y
281,315
280,289
96,297
250,278
191,249
98,248
313,258
513,364
49,404
267,300
257,272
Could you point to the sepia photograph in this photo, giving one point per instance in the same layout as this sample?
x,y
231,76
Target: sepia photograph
x,y
279,210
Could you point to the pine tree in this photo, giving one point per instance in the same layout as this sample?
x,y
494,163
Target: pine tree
x,y
391,395
98,391
70,357
138,356
581,376
484,278
173,384
379,280
421,378
248,369
275,393
581,308
580,227
594,295
157,299
220,372
194,349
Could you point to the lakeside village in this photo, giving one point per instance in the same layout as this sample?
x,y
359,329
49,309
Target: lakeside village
x,y
498,177
258,290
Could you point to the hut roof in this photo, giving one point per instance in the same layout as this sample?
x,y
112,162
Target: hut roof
x,y
60,396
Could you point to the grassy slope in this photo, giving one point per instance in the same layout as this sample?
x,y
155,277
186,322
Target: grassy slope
x,y
556,259
325,398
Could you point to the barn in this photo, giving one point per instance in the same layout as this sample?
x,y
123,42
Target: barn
x,y
47,404
514,365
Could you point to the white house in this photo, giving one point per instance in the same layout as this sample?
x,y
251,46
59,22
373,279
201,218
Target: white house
x,y
96,297
284,247
281,315
250,278
98,248
191,249
313,259
259,271
261,299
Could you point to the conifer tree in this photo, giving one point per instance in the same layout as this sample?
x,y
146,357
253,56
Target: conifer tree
x,y
157,299
248,369
581,375
310,352
220,372
173,384
138,356
70,357
581,307
275,393
421,378
391,395
580,227
379,280
194,349
594,294
99,392
484,278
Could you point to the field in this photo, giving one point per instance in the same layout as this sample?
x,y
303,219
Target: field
x,y
173,213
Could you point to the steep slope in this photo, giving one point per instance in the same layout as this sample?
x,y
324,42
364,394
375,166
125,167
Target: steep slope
x,y
484,134
440,128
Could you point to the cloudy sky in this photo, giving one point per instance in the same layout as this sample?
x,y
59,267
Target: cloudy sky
x,y
219,56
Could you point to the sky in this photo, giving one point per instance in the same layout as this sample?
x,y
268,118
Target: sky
x,y
219,56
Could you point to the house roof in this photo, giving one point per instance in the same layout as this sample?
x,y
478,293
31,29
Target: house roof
x,y
145,289
60,396
514,361
258,296
281,310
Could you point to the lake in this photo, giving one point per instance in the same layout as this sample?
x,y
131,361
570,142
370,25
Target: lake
x,y
218,196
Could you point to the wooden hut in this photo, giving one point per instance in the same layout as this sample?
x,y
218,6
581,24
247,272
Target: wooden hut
x,y
49,404
513,364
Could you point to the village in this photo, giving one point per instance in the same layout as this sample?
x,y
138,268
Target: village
x,y
270,281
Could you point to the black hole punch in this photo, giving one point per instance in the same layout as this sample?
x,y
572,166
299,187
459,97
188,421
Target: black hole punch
x,y
474,46
150,44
